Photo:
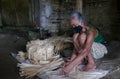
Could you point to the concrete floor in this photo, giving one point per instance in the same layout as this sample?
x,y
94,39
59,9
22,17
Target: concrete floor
x,y
8,44
13,43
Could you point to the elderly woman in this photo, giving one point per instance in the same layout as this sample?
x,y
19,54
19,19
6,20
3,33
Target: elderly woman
x,y
88,44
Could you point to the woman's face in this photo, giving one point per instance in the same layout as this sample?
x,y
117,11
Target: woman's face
x,y
74,22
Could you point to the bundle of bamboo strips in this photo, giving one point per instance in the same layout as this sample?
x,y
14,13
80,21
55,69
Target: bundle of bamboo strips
x,y
43,55
30,70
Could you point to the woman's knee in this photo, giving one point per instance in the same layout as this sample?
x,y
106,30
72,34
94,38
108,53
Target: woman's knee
x,y
82,38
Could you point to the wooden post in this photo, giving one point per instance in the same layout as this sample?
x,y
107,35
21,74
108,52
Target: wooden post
x,y
31,12
0,13
37,13
79,6
16,13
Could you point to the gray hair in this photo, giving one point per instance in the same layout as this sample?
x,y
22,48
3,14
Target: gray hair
x,y
78,16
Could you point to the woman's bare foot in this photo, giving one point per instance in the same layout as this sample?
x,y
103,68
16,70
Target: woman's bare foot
x,y
89,67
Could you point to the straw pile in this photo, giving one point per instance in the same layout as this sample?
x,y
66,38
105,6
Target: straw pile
x,y
44,55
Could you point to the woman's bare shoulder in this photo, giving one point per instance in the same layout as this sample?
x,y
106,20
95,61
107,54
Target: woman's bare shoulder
x,y
93,32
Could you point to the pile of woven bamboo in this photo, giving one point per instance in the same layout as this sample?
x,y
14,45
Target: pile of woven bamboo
x,y
43,55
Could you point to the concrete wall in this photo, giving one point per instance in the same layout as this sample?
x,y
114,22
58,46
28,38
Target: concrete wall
x,y
102,14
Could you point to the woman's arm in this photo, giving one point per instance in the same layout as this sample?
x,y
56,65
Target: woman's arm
x,y
74,55
76,48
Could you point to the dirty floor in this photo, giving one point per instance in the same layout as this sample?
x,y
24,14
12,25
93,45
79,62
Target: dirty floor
x,y
14,43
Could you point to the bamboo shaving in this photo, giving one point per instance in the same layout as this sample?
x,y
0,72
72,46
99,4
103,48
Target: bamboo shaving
x,y
43,55
116,69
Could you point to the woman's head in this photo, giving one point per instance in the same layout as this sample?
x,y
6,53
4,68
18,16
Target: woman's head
x,y
76,19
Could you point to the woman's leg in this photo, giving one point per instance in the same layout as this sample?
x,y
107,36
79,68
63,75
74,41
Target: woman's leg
x,y
76,42
76,48
91,63
82,39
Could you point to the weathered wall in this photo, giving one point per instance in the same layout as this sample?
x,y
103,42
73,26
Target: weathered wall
x,y
102,14
60,12
15,12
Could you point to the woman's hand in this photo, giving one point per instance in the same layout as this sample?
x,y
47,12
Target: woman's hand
x,y
66,64
63,68
66,70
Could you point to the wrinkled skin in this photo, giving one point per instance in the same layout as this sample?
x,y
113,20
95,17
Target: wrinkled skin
x,y
81,40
